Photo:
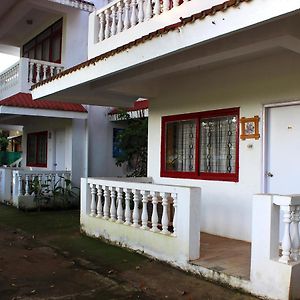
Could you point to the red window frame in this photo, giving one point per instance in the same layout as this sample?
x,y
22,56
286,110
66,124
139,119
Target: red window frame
x,y
37,135
54,33
234,177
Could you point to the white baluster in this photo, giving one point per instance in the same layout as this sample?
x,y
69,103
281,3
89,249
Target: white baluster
x,y
133,19
52,70
166,5
126,14
27,186
286,241
127,207
154,218
107,23
148,14
145,210
174,196
120,212
165,217
20,185
175,3
136,214
31,68
45,67
114,20
295,232
99,201
93,200
38,73
120,21
156,9
113,209
141,11
40,179
106,203
101,29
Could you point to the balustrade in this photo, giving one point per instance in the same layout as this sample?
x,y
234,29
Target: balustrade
x,y
123,14
140,208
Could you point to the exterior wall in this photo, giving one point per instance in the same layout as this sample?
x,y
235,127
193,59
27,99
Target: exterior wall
x,y
226,206
59,127
100,144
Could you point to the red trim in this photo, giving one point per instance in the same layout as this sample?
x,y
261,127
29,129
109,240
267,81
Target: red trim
x,y
197,174
138,105
37,135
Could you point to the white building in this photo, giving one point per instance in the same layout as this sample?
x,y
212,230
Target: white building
x,y
50,36
222,81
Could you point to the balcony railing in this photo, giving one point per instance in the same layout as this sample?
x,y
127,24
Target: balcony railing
x,y
20,76
123,21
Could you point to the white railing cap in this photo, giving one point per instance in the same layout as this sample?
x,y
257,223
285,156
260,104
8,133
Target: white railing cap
x,y
286,199
10,68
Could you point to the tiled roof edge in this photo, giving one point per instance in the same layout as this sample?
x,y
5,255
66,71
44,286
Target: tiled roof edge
x,y
183,21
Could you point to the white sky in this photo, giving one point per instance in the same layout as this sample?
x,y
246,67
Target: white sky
x,y
7,60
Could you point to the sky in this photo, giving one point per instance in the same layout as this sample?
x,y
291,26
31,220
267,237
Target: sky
x,y
7,60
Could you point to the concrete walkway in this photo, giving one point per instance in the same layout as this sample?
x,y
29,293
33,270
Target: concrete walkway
x,y
44,256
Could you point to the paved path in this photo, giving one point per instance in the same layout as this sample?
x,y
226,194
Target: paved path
x,y
44,256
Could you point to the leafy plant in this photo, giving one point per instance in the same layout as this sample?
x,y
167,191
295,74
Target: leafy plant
x,y
133,143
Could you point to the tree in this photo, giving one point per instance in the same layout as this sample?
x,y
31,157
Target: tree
x,y
133,144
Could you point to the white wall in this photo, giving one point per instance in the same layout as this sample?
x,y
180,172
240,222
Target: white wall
x,y
226,206
100,136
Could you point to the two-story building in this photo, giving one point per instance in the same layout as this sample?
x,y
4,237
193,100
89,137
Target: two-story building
x,y
49,36
222,83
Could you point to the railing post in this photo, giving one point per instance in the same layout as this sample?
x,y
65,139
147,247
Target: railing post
x,y
141,11
27,187
99,201
156,9
120,14
148,14
154,218
127,207
113,210
286,241
101,29
165,218
120,212
107,23
126,14
113,20
136,214
106,203
145,210
174,196
295,232
133,19
93,200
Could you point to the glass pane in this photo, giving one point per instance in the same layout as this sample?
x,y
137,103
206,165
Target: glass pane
x,y
42,149
38,54
31,54
44,35
56,48
218,144
31,149
46,50
180,146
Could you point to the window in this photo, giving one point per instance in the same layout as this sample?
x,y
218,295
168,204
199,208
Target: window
x,y
37,149
46,46
201,145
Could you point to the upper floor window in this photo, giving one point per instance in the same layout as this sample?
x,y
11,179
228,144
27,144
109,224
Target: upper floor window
x,y
37,144
201,145
47,45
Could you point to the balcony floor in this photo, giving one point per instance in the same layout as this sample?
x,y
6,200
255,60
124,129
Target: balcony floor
x,y
226,255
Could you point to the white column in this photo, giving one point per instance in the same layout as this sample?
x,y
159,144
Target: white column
x,y
93,200
295,232
145,210
45,67
106,203
148,13
107,23
113,210
120,14
154,218
20,185
286,241
127,207
136,214
165,218
156,9
174,196
133,19
27,185
120,212
31,68
141,11
166,5
38,73
52,70
113,20
126,14
101,27
99,201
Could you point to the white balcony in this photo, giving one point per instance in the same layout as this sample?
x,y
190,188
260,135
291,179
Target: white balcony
x,y
164,222
23,74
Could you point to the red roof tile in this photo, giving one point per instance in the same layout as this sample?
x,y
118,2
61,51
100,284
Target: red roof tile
x,y
25,100
138,105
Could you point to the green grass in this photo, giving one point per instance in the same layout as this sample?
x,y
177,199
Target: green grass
x,y
60,229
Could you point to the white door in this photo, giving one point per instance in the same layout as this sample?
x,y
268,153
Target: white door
x,y
283,150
